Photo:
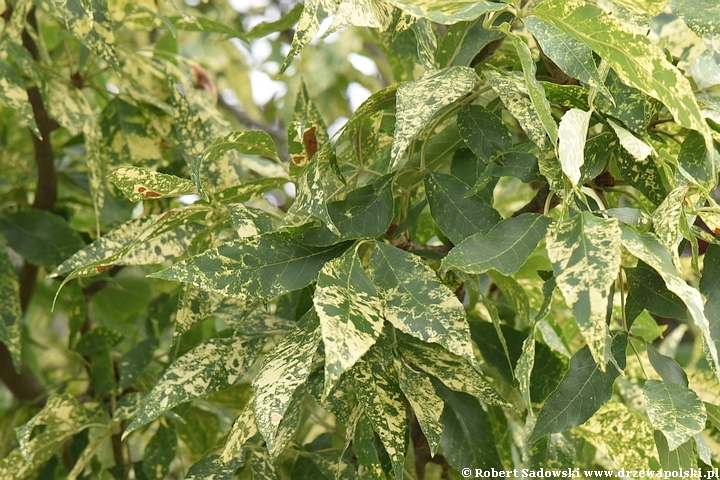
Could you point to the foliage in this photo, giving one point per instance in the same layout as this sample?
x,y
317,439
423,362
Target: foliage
x,y
476,267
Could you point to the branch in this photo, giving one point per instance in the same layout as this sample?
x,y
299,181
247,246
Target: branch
x,y
537,204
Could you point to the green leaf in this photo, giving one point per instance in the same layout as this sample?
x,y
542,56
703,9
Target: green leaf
x,y
682,457
636,60
350,312
284,369
524,368
423,400
262,466
505,247
457,214
572,56
634,449
647,248
253,142
366,451
14,95
534,88
286,22
160,451
249,190
700,16
463,41
468,435
418,101
483,132
361,13
647,288
583,390
514,292
666,367
213,468
10,313
675,410
598,152
571,149
210,367
710,287
142,184
254,268
417,303
132,364
452,370
635,109
426,43
250,221
447,12
381,399
641,174
585,254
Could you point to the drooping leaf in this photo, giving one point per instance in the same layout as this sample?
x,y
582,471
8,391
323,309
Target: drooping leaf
x,y
426,43
585,254
244,428
534,88
210,367
634,449
647,288
458,215
381,399
141,184
423,400
417,303
14,95
250,221
635,109
350,313
254,268
132,364
213,468
710,287
505,247
666,367
249,190
483,132
10,314
452,370
572,134
647,248
682,457
637,61
524,368
284,369
160,451
583,390
641,174
418,101
468,436
675,410
572,56
362,13
366,449
695,159
310,197
312,15
514,292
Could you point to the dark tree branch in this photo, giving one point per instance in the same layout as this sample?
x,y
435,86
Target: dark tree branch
x,y
537,204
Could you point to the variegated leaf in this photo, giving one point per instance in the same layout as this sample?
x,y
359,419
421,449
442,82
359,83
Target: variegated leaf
x,y
249,190
10,314
572,56
362,13
505,247
418,101
194,305
634,146
701,16
524,368
483,132
585,254
254,268
210,367
643,175
381,399
417,303
675,410
242,430
310,196
571,149
534,88
648,249
142,184
447,12
350,312
636,60
250,221
423,400
666,221
313,14
14,95
284,369
634,449
426,43
452,370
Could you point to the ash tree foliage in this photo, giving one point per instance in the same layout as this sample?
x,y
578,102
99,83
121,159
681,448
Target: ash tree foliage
x,y
505,257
